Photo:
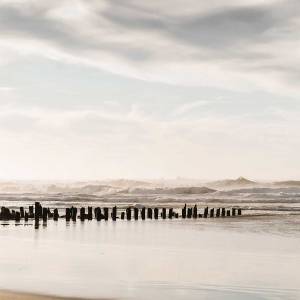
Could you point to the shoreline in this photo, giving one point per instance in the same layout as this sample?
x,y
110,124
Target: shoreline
x,y
12,295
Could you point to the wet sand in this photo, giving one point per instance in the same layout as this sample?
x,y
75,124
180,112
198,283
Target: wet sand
x,y
8,295
235,258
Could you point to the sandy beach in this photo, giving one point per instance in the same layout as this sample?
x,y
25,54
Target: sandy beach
x,y
242,258
8,295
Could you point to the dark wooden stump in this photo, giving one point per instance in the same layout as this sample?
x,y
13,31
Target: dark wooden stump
x,y
164,213
122,215
195,212
149,213
136,213
233,212
170,214
212,213
55,214
106,212
128,213
143,213
114,213
184,212
68,214
156,212
228,213
223,212
205,213
45,214
239,211
82,213
26,216
218,213
22,212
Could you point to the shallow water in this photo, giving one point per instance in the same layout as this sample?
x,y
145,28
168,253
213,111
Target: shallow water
x,y
233,258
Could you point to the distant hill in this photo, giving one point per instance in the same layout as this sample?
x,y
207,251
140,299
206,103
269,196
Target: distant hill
x,y
240,182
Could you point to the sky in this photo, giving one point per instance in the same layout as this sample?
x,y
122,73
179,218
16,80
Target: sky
x,y
149,89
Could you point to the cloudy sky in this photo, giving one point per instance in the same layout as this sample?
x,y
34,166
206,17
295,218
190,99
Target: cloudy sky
x,y
149,89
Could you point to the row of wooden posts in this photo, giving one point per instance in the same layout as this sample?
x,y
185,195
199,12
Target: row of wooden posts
x,y
38,212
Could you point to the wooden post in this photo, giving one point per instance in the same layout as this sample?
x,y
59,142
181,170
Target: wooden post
x,y
149,213
114,213
90,213
189,212
128,213
218,213
233,212
55,214
26,216
156,213
22,212
205,214
170,214
17,216
223,212
45,214
68,214
106,211
212,213
82,213
195,212
122,215
239,211
184,212
176,215
31,213
228,213
143,213
136,213
164,213
74,214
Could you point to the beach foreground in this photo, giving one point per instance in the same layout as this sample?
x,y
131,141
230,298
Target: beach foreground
x,y
232,258
7,295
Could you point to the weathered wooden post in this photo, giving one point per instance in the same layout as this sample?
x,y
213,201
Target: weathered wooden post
x,y
205,213
45,214
37,210
106,212
212,213
218,213
136,213
184,212
149,213
17,216
31,213
90,213
74,214
26,216
128,213
98,213
156,213
68,214
176,215
233,212
228,213
195,212
189,213
164,213
22,215
122,215
82,214
170,214
223,212
143,213
55,214
239,211
114,213
36,222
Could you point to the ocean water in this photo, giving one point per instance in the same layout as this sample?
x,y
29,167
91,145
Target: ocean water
x,y
256,256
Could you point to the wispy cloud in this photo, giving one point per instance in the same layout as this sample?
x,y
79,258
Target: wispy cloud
x,y
251,44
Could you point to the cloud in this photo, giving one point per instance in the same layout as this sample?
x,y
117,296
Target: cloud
x,y
241,45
